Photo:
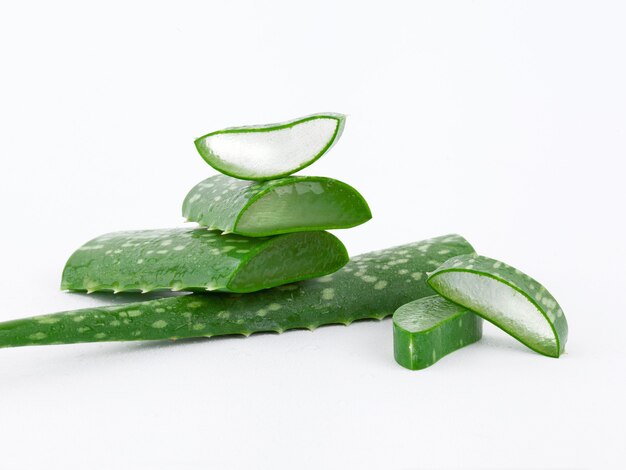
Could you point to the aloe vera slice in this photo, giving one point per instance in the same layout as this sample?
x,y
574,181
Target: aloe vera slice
x,y
198,259
270,151
372,285
507,298
427,329
285,205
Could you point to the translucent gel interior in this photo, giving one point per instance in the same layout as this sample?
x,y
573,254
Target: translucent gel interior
x,y
499,303
303,204
426,313
273,152
291,257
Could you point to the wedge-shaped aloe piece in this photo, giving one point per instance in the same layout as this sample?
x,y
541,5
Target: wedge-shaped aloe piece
x,y
427,329
285,205
507,298
270,151
197,259
372,285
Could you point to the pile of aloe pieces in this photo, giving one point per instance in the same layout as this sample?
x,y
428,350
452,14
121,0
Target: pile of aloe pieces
x,y
260,260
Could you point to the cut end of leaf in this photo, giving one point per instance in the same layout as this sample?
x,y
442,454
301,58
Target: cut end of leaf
x,y
430,328
507,298
286,205
271,151
290,258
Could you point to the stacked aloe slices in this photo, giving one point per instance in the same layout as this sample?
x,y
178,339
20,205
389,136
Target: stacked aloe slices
x,y
261,260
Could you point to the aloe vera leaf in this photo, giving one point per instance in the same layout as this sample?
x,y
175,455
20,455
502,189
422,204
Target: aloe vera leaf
x,y
285,205
506,297
198,259
372,285
427,329
270,151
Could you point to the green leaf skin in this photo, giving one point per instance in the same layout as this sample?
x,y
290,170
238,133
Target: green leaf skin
x,y
427,329
372,285
270,151
506,297
285,205
198,259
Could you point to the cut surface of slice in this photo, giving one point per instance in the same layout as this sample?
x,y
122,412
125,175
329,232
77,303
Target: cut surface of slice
x,y
427,329
507,298
372,285
199,259
285,205
270,151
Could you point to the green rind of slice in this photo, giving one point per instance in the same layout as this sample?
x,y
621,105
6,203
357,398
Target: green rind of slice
x,y
285,205
372,285
271,151
198,259
429,328
506,297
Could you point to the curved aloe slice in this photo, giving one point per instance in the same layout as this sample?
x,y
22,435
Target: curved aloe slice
x,y
273,150
507,298
197,259
372,285
427,329
285,205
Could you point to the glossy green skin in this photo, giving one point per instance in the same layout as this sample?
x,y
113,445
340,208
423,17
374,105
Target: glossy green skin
x,y
207,154
372,285
522,283
198,259
318,203
427,329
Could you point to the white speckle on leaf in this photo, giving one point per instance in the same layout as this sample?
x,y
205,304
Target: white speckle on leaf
x,y
159,324
380,285
328,294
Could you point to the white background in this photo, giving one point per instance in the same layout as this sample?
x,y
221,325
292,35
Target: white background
x,y
502,121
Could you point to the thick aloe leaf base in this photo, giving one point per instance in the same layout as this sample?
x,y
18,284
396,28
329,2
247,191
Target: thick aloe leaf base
x,y
372,285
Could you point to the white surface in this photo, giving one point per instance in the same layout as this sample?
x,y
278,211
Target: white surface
x,y
505,122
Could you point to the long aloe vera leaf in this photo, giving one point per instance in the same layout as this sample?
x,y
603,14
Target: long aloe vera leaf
x,y
270,151
198,259
285,205
372,285
506,297
427,329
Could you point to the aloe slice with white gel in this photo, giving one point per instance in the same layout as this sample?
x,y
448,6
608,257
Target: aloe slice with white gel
x,y
285,205
270,151
429,328
507,298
